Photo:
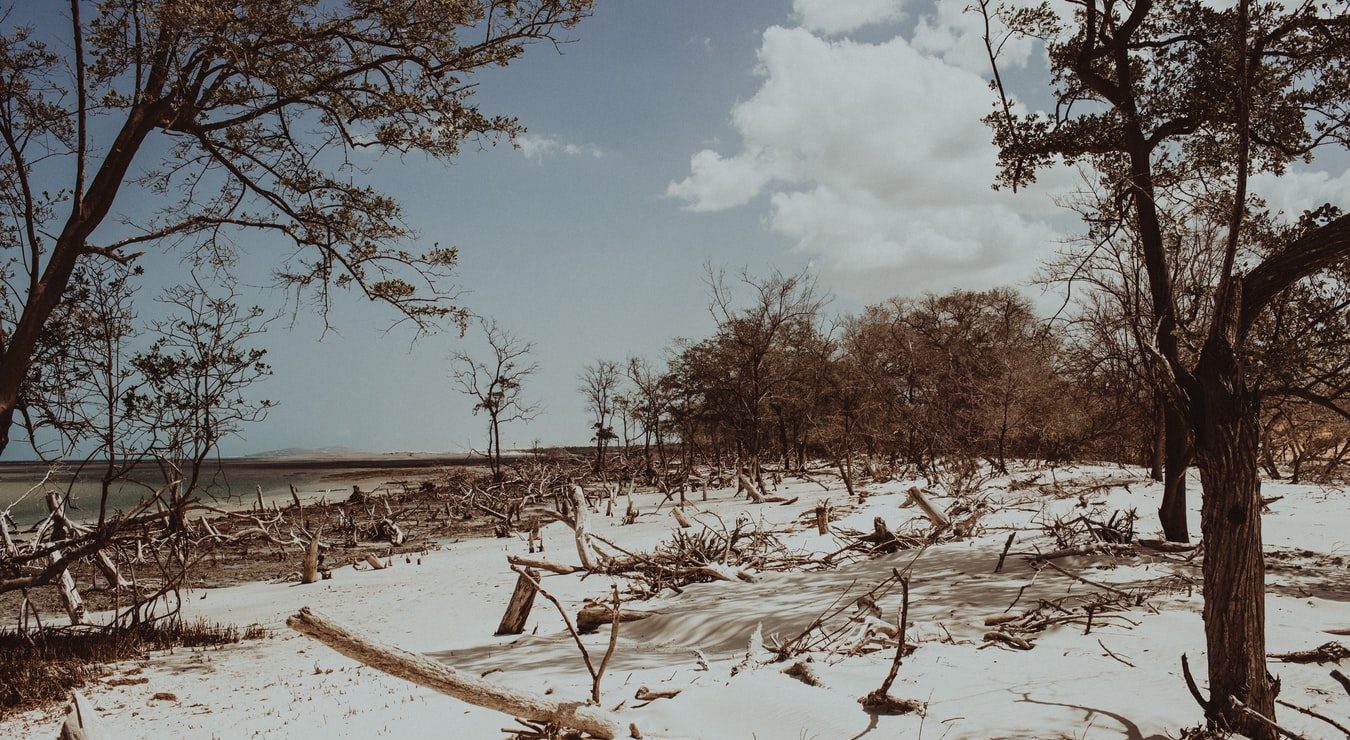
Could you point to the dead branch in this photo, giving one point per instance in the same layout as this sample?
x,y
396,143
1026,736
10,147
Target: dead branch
x,y
446,680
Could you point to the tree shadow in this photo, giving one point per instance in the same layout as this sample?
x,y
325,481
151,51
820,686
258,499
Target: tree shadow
x,y
1132,731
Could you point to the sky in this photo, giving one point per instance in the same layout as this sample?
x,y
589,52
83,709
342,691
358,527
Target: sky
x,y
841,136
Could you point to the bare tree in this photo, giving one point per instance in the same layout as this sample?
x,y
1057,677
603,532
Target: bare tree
x,y
196,377
750,335
497,384
599,384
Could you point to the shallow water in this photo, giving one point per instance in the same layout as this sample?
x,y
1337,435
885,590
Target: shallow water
x,y
226,485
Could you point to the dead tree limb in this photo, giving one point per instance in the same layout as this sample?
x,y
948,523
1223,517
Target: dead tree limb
x,y
446,680
1341,679
934,514
542,564
1311,713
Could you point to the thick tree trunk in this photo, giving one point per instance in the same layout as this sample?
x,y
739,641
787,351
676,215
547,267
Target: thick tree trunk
x,y
1177,446
1227,436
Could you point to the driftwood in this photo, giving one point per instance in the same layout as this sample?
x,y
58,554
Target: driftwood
x,y
310,572
82,722
595,614
934,514
823,517
522,600
1341,679
541,564
750,488
1007,639
724,572
802,672
374,562
681,518
1095,548
1330,652
646,694
472,689
579,525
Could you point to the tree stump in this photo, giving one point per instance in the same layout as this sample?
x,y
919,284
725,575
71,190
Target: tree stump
x,y
522,600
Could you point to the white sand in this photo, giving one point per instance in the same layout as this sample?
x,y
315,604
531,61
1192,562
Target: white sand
x,y
448,605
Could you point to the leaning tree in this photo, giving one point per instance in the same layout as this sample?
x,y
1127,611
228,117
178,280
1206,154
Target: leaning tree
x,y
1146,94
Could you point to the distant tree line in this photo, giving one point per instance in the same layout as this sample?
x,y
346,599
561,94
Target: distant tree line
x,y
950,386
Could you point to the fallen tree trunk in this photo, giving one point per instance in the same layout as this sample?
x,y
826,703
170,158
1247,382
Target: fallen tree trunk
x,y
934,514
595,614
446,680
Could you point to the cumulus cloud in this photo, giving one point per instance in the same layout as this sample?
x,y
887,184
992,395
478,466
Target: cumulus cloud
x,y
538,147
834,17
877,165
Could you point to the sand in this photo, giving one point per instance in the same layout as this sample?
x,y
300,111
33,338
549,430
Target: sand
x,y
447,603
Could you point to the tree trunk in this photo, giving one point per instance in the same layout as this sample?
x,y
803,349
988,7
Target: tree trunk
x,y
1177,446
1159,437
1227,431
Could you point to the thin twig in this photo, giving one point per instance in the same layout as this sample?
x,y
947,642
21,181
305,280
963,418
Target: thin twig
x,y
1311,713
1113,655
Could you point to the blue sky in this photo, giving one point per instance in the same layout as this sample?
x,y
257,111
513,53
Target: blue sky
x,y
842,135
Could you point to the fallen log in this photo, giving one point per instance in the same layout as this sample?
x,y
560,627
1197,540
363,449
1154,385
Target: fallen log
x,y
1008,639
1329,652
646,694
1096,548
594,615
446,680
522,600
934,514
374,562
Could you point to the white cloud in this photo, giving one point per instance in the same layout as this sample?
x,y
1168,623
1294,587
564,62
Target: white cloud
x,y
716,183
1300,190
878,166
955,33
538,147
834,17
